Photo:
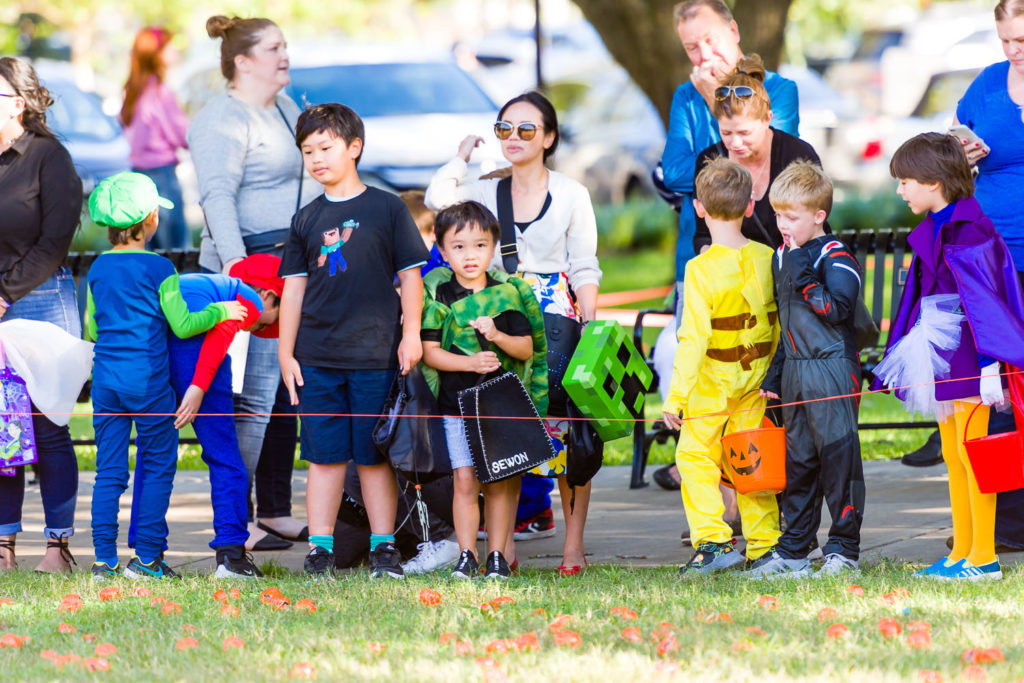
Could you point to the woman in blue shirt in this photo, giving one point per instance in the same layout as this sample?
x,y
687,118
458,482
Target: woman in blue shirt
x,y
993,107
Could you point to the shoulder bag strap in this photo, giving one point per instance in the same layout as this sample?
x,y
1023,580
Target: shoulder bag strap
x,y
302,167
506,219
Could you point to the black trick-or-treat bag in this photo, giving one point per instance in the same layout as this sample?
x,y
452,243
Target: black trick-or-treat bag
x,y
410,432
506,435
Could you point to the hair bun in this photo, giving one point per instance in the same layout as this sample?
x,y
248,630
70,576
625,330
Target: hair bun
x,y
218,25
751,65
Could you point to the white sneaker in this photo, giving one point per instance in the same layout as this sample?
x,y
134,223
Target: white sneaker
x,y
433,555
775,566
836,564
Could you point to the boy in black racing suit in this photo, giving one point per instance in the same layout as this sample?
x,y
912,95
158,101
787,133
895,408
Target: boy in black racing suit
x,y
817,283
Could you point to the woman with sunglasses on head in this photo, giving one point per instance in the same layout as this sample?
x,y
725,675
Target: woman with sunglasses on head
x,y
155,127
40,203
744,114
556,246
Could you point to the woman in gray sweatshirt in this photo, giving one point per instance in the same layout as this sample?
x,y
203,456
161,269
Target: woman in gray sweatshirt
x,y
250,184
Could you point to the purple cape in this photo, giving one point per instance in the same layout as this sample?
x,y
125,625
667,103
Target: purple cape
x,y
967,257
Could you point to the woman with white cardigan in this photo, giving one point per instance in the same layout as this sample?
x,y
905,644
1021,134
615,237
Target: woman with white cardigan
x,y
556,239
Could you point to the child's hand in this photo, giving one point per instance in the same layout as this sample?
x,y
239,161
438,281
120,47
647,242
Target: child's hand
x,y
236,310
769,394
186,412
485,326
291,373
672,420
410,350
483,362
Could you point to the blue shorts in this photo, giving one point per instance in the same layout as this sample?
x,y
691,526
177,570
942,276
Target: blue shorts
x,y
458,445
340,438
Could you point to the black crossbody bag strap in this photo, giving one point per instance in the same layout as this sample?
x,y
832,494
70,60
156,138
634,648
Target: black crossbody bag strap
x,y
302,166
506,219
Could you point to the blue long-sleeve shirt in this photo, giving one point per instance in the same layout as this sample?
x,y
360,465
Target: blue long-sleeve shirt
x,y
692,128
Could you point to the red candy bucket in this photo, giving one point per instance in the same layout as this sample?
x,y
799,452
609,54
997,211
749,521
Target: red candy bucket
x,y
998,459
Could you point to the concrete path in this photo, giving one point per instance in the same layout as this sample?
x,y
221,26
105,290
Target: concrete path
x,y
907,518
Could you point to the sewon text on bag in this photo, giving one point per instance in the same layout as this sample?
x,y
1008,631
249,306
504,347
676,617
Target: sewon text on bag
x,y
506,435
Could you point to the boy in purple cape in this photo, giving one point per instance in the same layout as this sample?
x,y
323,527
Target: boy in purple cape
x,y
961,315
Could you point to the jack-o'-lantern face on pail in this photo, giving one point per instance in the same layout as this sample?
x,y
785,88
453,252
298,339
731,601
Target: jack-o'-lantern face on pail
x,y
745,463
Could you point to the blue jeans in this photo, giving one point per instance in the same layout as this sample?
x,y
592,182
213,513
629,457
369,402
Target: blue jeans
x,y
173,231
157,454
54,302
215,429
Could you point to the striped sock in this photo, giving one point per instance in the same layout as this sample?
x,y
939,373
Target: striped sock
x,y
379,539
325,542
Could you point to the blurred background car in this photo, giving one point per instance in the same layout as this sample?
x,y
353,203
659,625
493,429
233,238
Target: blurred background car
x,y
95,141
415,109
611,134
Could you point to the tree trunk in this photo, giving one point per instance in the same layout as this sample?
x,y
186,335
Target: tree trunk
x,y
641,36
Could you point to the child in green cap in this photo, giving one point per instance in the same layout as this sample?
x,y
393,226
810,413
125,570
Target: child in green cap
x,y
132,299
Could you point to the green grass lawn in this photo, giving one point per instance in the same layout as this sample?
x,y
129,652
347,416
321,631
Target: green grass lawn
x,y
721,628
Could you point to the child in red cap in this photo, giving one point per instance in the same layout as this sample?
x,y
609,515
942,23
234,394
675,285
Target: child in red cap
x,y
201,379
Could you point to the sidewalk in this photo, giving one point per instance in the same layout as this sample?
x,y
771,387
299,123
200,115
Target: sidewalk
x,y
907,518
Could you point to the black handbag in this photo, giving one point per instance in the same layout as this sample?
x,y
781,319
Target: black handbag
x,y
506,435
584,453
563,333
410,432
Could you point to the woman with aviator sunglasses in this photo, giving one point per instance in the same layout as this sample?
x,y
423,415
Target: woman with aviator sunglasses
x,y
555,249
744,114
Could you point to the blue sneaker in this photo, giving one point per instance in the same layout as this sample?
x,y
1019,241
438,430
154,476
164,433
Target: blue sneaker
x,y
939,570
101,571
157,569
969,572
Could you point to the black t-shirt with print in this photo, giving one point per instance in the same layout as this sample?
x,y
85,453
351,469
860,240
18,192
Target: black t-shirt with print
x,y
512,323
350,251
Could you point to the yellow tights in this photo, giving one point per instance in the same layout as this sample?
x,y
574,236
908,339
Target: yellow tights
x,y
974,512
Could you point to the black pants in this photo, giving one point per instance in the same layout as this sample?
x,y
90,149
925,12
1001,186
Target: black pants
x,y
352,530
277,460
822,457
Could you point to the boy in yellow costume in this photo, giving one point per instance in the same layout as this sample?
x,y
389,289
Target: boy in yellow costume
x,y
726,340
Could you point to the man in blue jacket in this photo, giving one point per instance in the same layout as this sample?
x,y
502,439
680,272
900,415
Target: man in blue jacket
x,y
711,38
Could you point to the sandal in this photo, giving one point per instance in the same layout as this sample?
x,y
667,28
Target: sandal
x,y
8,544
65,552
302,535
663,478
574,570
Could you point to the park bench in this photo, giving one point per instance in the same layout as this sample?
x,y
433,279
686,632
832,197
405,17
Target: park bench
x,y
882,287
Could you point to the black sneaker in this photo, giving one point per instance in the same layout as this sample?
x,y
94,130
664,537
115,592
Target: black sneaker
x,y
712,557
234,563
541,525
497,567
386,561
157,569
467,568
101,571
319,563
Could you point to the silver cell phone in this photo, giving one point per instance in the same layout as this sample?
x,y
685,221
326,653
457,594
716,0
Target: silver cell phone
x,y
962,132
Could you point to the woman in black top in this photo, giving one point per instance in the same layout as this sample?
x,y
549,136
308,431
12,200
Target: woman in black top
x,y
40,203
744,115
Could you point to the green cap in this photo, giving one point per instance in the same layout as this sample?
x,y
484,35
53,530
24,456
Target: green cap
x,y
124,199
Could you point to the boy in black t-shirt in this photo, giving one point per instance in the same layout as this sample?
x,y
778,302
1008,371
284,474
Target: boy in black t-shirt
x,y
473,326
344,330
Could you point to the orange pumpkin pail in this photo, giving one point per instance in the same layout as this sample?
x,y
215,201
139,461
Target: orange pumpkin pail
x,y
755,459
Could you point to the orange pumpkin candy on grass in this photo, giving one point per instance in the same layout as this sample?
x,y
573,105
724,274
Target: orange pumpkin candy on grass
x,y
827,614
837,631
110,593
919,640
566,638
95,664
229,610
141,592
375,647
305,605
65,628
105,649
430,597
623,612
233,643
12,641
889,627
632,634
170,608
186,643
302,670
